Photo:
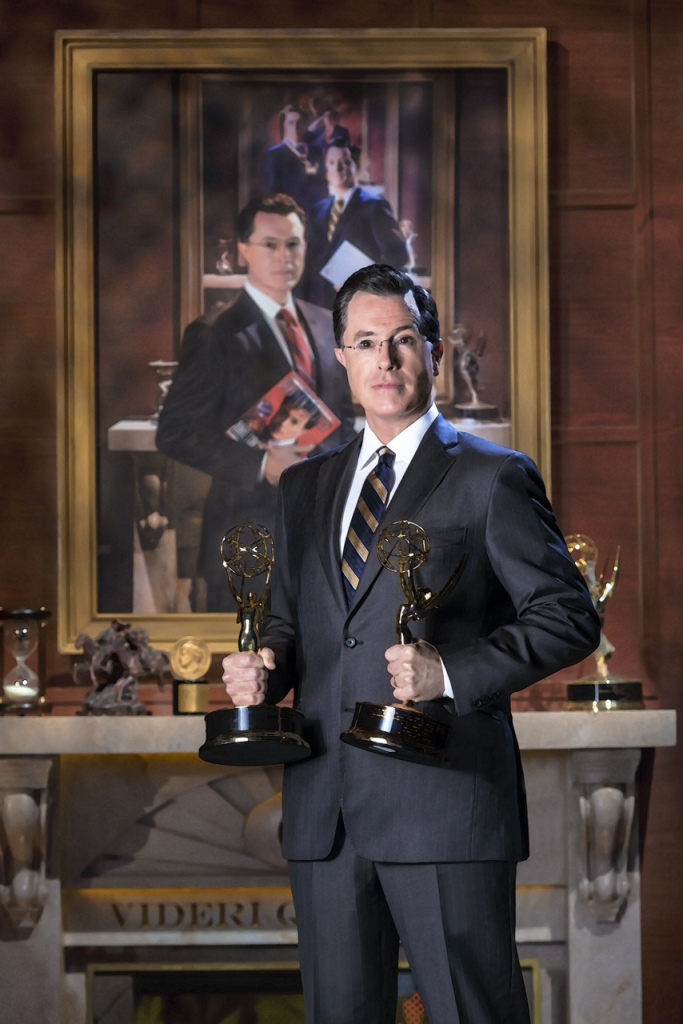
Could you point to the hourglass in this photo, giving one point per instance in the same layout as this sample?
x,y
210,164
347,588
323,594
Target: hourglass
x,y
22,635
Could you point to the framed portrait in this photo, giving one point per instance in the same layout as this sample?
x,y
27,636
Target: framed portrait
x,y
164,138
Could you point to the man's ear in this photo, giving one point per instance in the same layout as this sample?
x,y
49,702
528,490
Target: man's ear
x,y
242,254
341,356
437,356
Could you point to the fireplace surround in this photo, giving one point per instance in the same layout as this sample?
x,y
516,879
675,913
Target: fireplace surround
x,y
121,847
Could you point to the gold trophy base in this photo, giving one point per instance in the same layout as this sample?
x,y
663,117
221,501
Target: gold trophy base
x,y
190,697
399,731
254,736
605,693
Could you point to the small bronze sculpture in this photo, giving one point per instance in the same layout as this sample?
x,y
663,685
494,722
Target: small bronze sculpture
x,y
115,663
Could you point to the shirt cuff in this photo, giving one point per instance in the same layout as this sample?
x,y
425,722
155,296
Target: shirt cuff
x,y
447,688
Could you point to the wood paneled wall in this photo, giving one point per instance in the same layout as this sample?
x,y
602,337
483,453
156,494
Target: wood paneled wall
x,y
616,239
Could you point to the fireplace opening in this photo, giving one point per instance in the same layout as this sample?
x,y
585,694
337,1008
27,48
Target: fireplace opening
x,y
212,994
235,993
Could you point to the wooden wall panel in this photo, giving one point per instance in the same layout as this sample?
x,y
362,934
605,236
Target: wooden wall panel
x,y
662,879
593,319
312,14
28,440
596,492
594,141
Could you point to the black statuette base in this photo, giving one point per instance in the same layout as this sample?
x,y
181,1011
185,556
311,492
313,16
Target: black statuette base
x,y
402,732
254,736
605,695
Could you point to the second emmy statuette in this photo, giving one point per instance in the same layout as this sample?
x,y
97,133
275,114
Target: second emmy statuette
x,y
261,734
603,690
403,731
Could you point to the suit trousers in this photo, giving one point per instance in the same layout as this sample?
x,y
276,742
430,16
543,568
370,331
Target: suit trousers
x,y
456,922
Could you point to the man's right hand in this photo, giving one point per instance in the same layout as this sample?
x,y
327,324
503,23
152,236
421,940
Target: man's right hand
x,y
246,676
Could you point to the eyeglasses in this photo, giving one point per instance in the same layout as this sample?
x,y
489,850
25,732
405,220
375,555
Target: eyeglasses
x,y
293,245
368,348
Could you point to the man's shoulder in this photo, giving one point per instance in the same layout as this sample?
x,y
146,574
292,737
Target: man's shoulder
x,y
320,208
315,315
369,199
239,311
310,468
463,443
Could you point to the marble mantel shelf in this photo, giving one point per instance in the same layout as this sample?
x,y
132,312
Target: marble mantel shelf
x,y
536,730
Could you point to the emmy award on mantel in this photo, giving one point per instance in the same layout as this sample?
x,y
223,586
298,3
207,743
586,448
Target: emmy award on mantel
x,y
601,691
401,730
260,734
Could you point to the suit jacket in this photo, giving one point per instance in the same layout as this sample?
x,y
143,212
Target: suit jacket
x,y
520,612
284,172
367,222
226,364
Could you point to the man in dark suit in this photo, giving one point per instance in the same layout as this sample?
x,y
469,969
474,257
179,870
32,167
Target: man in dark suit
x,y
349,214
294,166
228,362
383,849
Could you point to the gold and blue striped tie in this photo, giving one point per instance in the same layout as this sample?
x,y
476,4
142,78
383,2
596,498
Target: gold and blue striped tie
x,y
365,520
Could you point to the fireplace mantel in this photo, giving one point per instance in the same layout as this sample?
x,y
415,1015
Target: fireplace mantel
x,y
184,734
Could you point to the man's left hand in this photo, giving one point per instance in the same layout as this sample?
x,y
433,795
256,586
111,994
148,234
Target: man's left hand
x,y
415,670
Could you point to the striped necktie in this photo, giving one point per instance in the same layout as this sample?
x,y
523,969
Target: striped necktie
x,y
365,521
335,214
298,345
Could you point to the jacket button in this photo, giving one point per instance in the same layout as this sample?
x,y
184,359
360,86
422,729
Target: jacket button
x,y
350,641
478,702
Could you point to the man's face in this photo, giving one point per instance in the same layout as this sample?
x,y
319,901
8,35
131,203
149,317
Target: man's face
x,y
393,382
340,167
292,128
275,254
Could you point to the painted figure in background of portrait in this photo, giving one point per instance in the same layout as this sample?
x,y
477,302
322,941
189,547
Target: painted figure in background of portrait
x,y
352,227
229,361
295,165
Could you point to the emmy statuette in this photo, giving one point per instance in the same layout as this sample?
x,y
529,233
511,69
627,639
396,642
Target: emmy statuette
x,y
402,730
261,734
603,690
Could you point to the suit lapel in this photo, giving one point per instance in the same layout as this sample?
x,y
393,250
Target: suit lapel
x,y
261,338
432,461
333,486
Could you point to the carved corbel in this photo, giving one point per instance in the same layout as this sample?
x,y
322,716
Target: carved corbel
x,y
607,800
23,811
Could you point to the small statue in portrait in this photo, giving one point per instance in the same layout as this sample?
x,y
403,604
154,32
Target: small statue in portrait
x,y
466,366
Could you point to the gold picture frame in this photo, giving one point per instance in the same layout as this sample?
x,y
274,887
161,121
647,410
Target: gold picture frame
x,y
87,128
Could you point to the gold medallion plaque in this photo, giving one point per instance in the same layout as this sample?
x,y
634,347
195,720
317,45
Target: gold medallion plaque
x,y
190,660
